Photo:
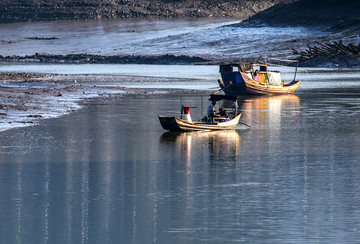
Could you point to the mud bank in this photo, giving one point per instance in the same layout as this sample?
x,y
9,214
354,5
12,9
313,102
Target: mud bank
x,y
338,60
340,18
100,59
28,98
335,15
25,99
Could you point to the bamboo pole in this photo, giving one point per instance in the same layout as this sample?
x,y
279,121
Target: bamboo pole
x,y
285,60
286,67
296,70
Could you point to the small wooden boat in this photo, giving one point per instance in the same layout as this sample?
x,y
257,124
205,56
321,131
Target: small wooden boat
x,y
241,79
217,122
176,124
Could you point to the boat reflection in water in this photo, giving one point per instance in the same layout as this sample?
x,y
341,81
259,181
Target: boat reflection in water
x,y
273,120
269,111
212,145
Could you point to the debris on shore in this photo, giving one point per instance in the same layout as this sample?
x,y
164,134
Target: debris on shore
x,y
335,52
328,50
43,38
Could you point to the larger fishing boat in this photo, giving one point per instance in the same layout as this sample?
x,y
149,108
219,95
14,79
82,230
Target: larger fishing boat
x,y
242,78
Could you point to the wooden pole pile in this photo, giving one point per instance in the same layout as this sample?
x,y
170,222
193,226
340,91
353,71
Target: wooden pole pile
x,y
328,50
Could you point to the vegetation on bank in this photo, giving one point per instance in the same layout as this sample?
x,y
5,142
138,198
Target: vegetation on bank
x,y
48,10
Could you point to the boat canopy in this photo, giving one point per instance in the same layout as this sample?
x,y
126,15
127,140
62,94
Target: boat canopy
x,y
273,78
243,66
215,97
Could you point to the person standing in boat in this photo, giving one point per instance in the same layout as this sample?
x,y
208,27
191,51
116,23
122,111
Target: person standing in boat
x,y
235,105
211,110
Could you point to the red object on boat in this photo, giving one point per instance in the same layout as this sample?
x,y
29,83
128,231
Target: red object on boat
x,y
186,109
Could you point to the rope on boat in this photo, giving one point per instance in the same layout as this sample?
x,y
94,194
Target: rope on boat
x,y
302,89
244,124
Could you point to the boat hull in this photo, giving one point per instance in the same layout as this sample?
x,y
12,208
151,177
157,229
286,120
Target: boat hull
x,y
254,87
176,124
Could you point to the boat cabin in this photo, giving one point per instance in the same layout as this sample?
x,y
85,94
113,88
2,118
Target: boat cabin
x,y
230,73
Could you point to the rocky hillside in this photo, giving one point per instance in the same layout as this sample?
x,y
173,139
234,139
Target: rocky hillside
x,y
336,14
45,10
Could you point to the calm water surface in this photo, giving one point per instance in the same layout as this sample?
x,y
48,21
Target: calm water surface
x,y
110,174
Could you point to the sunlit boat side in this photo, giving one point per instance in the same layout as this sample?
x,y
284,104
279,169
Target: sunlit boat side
x,y
256,88
212,122
175,124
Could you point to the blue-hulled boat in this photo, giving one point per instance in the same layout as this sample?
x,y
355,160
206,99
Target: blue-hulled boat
x,y
241,79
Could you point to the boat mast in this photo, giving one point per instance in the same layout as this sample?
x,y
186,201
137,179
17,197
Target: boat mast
x,y
297,63
181,111
284,60
236,106
267,75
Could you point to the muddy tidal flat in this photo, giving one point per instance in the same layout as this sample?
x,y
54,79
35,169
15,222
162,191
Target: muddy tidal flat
x,y
25,99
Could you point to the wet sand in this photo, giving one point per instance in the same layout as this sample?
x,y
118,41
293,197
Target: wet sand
x,y
27,98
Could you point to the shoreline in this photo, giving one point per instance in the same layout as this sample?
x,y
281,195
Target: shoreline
x,y
84,58
27,98
316,61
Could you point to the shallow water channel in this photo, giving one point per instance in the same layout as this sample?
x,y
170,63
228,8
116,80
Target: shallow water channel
x,y
109,173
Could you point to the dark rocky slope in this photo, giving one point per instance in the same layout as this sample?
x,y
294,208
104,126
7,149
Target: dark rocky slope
x,y
335,14
45,10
